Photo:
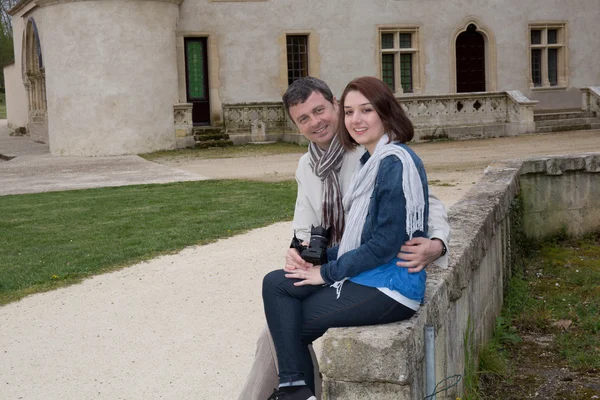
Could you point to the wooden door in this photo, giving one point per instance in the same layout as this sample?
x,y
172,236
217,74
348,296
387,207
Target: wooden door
x,y
196,79
470,61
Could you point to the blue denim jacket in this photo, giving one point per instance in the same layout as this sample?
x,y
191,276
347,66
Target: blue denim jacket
x,y
373,263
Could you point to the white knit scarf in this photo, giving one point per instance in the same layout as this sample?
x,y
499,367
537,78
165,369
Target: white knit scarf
x,y
326,165
358,197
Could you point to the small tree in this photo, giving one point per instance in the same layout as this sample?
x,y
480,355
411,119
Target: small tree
x,y
6,36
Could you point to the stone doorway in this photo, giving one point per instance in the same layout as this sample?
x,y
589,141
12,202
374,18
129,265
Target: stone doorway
x,y
470,61
34,78
196,79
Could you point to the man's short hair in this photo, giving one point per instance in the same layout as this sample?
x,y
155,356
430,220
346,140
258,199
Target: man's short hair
x,y
302,88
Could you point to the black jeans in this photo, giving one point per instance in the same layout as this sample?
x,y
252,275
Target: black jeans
x,y
297,315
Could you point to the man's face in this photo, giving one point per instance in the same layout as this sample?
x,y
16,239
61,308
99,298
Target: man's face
x,y
316,119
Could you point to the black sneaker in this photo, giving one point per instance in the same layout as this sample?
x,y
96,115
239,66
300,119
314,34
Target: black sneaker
x,y
292,393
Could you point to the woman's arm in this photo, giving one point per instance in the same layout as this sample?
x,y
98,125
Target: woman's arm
x,y
388,230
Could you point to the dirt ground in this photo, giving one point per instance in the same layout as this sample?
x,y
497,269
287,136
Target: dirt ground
x,y
452,166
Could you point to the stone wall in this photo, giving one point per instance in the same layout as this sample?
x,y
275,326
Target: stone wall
x,y
462,302
115,75
252,60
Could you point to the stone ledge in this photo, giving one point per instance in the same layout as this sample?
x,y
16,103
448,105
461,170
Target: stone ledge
x,y
389,353
557,165
45,3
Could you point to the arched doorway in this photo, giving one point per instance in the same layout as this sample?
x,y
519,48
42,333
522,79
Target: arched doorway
x,y
470,61
34,78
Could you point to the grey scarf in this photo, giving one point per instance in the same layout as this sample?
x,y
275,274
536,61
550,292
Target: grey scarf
x,y
326,165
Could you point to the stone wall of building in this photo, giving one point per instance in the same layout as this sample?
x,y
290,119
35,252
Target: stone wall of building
x,y
250,58
111,75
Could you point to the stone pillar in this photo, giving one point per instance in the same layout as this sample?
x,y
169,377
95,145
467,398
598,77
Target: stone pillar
x,y
520,113
182,116
590,99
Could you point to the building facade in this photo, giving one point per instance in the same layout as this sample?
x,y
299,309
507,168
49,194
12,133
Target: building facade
x,y
103,77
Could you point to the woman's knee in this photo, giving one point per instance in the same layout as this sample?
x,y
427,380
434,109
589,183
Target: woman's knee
x,y
272,280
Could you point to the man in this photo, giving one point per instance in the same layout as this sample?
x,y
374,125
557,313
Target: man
x,y
323,175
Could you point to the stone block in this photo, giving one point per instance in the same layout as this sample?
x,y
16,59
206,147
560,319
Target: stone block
x,y
342,390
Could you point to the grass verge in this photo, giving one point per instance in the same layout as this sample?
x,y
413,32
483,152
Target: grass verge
x,y
248,150
49,240
547,341
2,111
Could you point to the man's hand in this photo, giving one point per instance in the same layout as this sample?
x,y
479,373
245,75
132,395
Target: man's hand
x,y
294,262
419,252
311,276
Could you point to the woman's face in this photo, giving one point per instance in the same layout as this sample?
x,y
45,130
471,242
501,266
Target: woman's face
x,y
362,121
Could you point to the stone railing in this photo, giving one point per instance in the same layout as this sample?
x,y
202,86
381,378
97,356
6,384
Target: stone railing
x,y
241,120
590,99
462,302
459,116
468,115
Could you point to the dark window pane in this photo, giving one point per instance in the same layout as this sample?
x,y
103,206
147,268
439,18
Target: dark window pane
x,y
387,40
552,36
536,67
387,70
405,40
297,56
536,36
406,73
553,66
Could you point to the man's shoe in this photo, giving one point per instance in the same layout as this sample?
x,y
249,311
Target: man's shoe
x,y
292,393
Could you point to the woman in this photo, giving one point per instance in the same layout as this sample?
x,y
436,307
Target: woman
x,y
385,206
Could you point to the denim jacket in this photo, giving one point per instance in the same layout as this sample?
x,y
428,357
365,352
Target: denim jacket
x,y
383,234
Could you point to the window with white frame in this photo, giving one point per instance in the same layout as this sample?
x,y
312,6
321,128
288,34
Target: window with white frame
x,y
548,58
399,59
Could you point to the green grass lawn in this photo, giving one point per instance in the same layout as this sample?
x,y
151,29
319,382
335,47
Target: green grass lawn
x,y
248,150
2,111
49,240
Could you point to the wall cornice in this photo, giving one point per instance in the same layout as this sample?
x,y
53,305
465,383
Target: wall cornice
x,y
44,3
19,6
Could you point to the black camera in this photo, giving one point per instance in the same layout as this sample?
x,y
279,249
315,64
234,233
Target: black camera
x,y
316,252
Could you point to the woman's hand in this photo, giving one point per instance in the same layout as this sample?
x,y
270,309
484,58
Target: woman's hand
x,y
311,276
293,262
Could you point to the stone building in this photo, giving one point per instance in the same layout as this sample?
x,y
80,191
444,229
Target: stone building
x,y
105,77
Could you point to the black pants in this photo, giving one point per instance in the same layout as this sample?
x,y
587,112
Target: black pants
x,y
297,315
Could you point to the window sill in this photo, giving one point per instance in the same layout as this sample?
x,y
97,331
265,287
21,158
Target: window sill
x,y
547,88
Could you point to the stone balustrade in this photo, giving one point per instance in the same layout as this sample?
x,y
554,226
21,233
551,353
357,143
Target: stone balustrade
x,y
535,197
460,116
590,99
242,119
469,115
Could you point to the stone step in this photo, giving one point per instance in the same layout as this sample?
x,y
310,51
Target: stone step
x,y
546,116
211,136
206,130
571,121
213,143
564,128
